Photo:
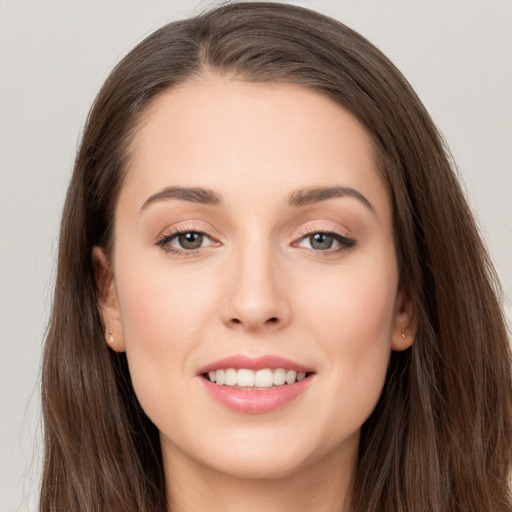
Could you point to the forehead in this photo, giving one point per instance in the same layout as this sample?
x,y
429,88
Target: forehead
x,y
250,138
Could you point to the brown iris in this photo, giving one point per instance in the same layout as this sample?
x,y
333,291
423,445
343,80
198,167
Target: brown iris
x,y
321,241
190,240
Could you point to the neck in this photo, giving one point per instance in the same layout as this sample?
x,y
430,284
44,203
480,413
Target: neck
x,y
322,486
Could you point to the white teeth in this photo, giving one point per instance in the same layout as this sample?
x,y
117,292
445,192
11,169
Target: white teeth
x,y
220,376
290,376
231,377
245,378
264,378
279,376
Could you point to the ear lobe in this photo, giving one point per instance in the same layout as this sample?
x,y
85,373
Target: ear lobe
x,y
107,299
405,322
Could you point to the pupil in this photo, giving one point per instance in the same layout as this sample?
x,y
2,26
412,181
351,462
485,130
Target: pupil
x,y
191,240
321,241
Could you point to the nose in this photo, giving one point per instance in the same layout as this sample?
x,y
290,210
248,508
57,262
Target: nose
x,y
257,296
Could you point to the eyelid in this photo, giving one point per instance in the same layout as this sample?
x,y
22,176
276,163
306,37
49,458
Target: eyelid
x,y
346,242
170,233
315,228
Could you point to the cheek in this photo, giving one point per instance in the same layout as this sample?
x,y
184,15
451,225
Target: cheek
x,y
158,302
354,305
353,322
163,316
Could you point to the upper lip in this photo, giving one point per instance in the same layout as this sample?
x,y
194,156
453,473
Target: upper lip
x,y
254,363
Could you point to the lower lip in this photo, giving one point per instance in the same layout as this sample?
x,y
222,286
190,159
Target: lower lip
x,y
255,401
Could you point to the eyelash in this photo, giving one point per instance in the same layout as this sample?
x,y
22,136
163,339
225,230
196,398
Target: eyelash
x,y
168,237
346,243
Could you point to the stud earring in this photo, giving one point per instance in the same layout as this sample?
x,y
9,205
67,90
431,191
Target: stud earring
x,y
403,335
110,336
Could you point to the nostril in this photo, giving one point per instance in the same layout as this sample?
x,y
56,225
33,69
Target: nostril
x,y
270,321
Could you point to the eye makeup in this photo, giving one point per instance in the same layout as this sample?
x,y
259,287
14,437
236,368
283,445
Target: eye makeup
x,y
185,241
189,241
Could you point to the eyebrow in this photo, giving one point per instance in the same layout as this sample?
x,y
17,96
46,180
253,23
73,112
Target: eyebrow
x,y
307,196
191,194
302,197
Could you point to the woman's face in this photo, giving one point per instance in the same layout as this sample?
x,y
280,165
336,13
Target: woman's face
x,y
253,232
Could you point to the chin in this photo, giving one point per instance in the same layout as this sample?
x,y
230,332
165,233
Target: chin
x,y
272,456
260,466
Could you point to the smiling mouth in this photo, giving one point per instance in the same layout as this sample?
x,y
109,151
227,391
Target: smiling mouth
x,y
244,378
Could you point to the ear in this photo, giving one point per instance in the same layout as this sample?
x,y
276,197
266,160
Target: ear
x,y
107,298
405,323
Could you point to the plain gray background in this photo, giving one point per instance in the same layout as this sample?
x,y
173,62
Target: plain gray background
x,y
54,55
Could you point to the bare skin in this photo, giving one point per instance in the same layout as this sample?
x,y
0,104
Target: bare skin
x,y
275,270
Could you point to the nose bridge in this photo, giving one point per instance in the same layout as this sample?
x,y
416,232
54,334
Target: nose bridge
x,y
257,295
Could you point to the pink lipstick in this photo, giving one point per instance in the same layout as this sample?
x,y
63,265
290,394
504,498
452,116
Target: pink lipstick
x,y
255,385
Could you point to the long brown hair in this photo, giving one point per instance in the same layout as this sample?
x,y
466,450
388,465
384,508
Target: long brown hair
x,y
440,438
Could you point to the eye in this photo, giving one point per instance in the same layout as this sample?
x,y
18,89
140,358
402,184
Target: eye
x,y
325,241
181,242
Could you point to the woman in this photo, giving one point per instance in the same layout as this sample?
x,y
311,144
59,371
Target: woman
x,y
271,293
